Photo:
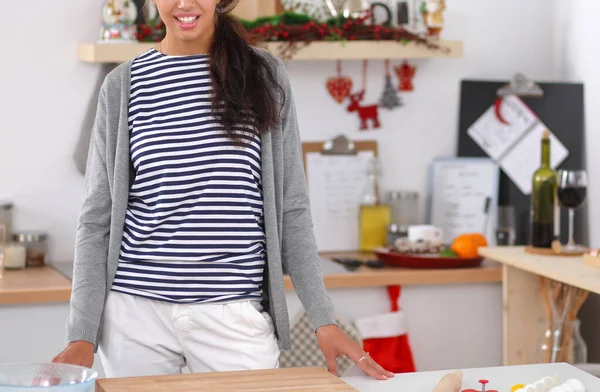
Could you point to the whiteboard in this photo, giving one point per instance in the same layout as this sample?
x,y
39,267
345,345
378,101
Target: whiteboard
x,y
335,186
459,189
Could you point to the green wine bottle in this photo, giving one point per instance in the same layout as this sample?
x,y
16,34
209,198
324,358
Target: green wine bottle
x,y
543,196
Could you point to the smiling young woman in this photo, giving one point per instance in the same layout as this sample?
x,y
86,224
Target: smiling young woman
x,y
195,199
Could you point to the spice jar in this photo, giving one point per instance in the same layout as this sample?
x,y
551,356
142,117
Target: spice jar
x,y
6,212
14,255
405,207
394,232
36,247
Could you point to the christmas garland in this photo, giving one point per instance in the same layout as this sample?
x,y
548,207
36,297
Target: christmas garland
x,y
295,30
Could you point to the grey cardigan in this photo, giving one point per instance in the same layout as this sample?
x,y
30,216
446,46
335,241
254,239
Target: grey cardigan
x,y
109,174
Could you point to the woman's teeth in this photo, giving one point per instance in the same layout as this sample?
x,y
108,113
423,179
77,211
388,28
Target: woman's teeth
x,y
187,19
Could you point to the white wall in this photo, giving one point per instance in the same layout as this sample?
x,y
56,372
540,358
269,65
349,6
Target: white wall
x,y
45,91
577,59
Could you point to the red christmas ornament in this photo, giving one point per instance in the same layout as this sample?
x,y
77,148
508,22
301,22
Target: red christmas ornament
x,y
405,74
339,87
366,113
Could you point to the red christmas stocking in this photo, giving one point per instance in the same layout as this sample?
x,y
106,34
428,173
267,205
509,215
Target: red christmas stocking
x,y
385,337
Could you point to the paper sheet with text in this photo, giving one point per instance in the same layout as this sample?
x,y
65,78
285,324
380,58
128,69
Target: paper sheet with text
x,y
510,134
335,185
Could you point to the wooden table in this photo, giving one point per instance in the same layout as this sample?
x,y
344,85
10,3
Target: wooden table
x,y
279,380
523,308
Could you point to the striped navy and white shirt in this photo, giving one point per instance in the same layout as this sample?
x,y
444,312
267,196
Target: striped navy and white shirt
x,y
194,229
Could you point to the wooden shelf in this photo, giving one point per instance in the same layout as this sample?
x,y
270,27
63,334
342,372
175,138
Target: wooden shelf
x,y
336,277
357,50
564,269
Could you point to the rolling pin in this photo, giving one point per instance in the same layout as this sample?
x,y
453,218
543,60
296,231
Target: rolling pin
x,y
451,382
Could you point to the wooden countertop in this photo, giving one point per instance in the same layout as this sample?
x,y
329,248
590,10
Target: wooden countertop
x,y
280,380
565,269
46,285
34,285
336,276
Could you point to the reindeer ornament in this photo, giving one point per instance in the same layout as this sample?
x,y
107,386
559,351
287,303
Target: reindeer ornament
x,y
370,112
365,113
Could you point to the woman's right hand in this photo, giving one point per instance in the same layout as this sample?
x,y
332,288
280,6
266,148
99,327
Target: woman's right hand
x,y
80,353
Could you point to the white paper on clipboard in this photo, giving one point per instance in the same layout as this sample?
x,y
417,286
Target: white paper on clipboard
x,y
335,185
515,144
459,190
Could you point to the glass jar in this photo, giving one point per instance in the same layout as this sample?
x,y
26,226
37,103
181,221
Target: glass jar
x,y
118,21
394,232
36,246
6,218
404,206
560,344
14,255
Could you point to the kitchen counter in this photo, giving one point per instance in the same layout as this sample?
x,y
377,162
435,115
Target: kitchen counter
x,y
523,308
336,276
52,283
34,285
34,309
565,269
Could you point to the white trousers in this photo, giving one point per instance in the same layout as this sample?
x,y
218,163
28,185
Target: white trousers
x,y
142,337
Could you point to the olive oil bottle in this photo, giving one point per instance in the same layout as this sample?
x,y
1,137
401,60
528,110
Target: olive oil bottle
x,y
543,199
374,215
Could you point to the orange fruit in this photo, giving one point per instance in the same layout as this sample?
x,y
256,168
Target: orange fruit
x,y
480,239
465,246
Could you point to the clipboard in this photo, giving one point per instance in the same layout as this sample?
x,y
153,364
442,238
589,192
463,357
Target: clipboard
x,y
336,174
464,196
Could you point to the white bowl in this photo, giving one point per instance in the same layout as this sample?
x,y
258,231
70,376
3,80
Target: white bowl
x,y
49,377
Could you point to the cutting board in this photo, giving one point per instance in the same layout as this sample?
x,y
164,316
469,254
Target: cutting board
x,y
280,380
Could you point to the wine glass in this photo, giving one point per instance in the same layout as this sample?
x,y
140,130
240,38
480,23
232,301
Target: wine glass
x,y
505,228
572,189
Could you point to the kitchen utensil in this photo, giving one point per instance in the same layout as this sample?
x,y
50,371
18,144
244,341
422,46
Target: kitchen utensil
x,y
48,377
424,261
354,264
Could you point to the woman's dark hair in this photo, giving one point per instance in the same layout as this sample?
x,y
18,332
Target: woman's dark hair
x,y
245,86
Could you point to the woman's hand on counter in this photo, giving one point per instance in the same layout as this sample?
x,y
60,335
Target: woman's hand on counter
x,y
80,353
334,343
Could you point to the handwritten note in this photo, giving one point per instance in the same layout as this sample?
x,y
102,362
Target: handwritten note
x,y
335,185
460,189
510,134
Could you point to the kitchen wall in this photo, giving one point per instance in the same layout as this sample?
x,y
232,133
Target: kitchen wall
x,y
45,92
576,58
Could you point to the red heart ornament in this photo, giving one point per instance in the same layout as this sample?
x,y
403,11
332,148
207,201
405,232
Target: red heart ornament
x,y
339,87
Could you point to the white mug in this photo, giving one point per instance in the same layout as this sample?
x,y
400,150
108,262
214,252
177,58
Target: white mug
x,y
425,233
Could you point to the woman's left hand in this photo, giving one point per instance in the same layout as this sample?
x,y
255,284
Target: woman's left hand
x,y
334,343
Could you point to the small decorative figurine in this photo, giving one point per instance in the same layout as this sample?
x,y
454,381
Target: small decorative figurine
x,y
432,11
405,73
118,21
